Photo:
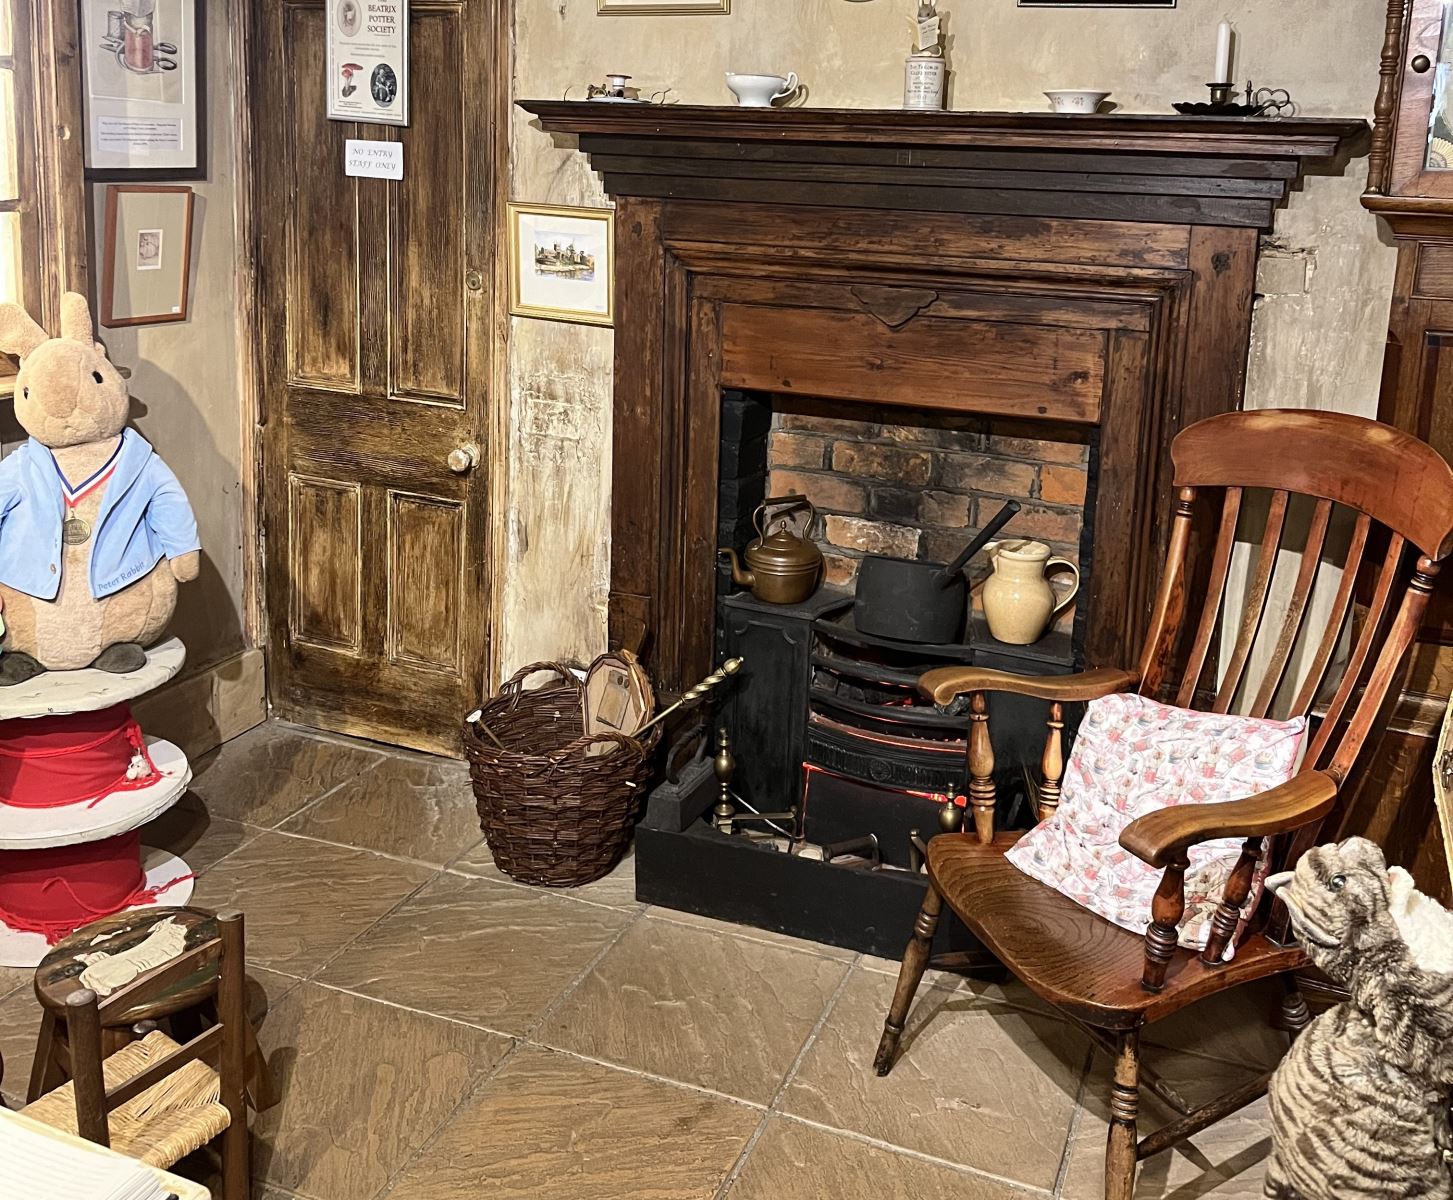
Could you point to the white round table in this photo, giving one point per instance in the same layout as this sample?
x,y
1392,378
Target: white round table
x,y
116,813
62,693
19,949
58,693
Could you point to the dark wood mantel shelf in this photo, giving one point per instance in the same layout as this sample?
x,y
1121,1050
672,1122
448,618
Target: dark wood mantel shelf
x,y
1190,170
1088,271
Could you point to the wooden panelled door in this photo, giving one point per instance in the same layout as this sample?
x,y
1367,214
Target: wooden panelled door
x,y
377,344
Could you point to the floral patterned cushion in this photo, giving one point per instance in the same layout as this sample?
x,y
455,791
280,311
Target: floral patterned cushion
x,y
1133,756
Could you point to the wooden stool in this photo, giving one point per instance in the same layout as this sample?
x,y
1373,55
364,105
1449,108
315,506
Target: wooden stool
x,y
186,1001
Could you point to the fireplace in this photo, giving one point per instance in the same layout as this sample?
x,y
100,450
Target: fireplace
x,y
1015,275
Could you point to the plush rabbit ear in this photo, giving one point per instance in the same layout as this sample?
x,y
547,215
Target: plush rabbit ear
x,y
19,334
76,319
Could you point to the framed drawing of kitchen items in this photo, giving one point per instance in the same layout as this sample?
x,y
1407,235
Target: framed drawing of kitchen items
x,y
146,255
562,265
368,61
663,8
145,65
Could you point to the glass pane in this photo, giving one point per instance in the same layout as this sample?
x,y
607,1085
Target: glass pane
x,y
9,130
7,25
1440,121
10,272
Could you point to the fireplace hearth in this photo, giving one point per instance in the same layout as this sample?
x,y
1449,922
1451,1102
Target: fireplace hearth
x,y
1038,270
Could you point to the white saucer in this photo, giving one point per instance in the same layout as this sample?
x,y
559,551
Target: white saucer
x,y
57,693
119,812
27,949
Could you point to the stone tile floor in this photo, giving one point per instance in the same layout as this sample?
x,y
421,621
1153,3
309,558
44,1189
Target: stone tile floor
x,y
438,1031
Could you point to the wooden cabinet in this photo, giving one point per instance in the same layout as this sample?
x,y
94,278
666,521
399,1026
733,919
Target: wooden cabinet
x,y
1410,187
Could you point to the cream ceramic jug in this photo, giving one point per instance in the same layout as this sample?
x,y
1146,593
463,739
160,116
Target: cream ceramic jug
x,y
1019,600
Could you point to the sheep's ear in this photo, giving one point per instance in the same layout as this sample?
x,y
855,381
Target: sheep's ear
x,y
19,334
76,319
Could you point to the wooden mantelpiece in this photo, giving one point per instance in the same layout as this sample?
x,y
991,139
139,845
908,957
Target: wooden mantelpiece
x,y
1091,271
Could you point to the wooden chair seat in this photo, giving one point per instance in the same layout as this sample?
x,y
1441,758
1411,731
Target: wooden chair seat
x,y
1075,959
163,1124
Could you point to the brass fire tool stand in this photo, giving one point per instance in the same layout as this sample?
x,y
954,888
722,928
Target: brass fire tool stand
x,y
725,816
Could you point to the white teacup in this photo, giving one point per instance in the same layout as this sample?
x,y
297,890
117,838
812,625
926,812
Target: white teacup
x,y
1077,101
759,91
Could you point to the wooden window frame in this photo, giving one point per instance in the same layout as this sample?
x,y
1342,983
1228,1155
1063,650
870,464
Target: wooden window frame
x,y
52,187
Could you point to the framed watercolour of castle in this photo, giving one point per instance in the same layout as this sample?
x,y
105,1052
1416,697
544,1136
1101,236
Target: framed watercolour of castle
x,y
561,263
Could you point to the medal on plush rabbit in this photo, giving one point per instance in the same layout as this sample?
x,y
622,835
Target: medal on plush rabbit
x,y
95,531
75,531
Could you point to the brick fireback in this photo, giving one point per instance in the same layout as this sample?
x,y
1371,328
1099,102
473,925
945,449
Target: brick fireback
x,y
921,490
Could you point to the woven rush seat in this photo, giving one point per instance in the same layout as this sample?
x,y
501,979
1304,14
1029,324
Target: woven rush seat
x,y
168,1121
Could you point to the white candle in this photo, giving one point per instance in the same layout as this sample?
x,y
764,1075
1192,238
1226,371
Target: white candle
x,y
1223,54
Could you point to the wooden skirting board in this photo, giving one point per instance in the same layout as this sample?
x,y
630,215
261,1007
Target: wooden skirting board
x,y
199,712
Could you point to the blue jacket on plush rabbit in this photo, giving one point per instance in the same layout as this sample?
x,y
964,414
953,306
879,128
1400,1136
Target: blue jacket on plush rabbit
x,y
144,518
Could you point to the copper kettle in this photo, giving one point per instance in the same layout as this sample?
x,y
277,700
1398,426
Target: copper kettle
x,y
783,567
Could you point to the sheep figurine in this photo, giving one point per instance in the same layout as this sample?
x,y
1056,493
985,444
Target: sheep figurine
x,y
1360,1104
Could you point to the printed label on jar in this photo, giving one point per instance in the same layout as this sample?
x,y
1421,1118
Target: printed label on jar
x,y
923,82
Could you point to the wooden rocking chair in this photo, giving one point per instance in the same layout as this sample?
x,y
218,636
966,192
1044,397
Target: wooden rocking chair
x,y
1112,982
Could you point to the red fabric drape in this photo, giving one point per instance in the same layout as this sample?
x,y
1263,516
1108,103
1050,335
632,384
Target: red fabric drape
x,y
79,758
57,890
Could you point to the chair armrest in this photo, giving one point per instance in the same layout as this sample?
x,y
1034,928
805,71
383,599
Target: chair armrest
x,y
942,684
1159,837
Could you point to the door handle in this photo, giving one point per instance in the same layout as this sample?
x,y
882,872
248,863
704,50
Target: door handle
x,y
463,458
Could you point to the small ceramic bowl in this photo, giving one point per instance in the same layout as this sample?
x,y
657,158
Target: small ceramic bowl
x,y
1077,101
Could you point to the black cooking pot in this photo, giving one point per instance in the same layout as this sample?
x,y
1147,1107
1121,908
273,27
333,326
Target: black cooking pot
x,y
919,601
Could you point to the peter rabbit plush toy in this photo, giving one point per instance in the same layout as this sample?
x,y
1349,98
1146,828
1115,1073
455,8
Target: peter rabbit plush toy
x,y
95,531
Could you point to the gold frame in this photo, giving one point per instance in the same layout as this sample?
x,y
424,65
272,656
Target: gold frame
x,y
678,8
518,308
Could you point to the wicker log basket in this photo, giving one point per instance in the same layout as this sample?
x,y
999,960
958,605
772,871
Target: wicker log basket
x,y
553,813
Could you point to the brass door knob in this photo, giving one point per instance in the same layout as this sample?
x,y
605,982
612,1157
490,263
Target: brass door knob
x,y
463,459
1422,63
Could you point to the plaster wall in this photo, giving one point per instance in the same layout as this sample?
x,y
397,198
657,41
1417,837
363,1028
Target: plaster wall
x,y
184,381
1319,324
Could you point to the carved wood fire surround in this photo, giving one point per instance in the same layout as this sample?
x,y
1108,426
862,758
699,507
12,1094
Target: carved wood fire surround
x,y
1076,270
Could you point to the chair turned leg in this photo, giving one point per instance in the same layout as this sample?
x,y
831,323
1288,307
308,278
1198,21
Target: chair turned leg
x,y
1295,1015
236,1174
1124,1110
45,1069
915,960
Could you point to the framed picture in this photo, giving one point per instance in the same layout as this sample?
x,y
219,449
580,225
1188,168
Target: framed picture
x,y
146,254
145,81
562,263
663,8
368,61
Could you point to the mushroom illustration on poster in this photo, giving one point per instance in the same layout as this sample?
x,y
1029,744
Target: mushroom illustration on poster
x,y
368,61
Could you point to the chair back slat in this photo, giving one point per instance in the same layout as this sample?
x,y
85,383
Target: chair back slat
x,y
1170,604
1389,660
1255,604
1296,609
1361,649
1316,676
1220,568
